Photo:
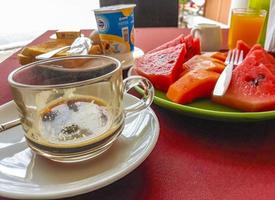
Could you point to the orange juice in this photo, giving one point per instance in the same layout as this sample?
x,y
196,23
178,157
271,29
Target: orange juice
x,y
246,25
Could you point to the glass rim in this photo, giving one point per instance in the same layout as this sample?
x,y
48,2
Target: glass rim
x,y
113,8
16,84
249,11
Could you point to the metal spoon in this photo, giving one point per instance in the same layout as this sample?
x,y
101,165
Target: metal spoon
x,y
80,46
51,53
9,124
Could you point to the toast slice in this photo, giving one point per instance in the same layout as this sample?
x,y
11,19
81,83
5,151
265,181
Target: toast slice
x,y
28,53
32,51
23,60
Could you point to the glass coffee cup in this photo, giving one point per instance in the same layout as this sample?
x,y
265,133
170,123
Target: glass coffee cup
x,y
71,108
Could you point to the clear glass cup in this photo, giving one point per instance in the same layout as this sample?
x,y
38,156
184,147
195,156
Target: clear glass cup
x,y
261,4
246,25
71,107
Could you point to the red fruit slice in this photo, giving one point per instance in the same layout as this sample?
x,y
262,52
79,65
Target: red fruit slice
x,y
192,45
196,46
172,43
188,40
262,57
252,87
242,46
163,67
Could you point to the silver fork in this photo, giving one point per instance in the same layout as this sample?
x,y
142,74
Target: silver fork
x,y
233,59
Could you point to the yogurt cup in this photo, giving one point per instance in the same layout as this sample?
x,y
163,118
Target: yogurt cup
x,y
116,28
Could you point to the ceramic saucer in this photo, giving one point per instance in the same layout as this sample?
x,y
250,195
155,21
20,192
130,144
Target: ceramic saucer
x,y
26,175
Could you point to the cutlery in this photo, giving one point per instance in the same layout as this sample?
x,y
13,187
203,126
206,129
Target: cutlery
x,y
51,53
9,124
233,59
80,46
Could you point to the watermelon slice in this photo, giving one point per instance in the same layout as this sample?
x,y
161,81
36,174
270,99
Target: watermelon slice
x,y
192,45
242,46
163,67
188,40
252,87
172,43
262,57
196,46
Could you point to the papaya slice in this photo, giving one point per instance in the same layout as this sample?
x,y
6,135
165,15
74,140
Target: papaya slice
x,y
219,56
203,62
193,85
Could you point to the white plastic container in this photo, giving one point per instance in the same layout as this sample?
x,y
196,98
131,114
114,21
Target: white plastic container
x,y
116,28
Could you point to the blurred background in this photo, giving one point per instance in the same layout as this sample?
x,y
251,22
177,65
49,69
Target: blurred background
x,y
192,12
22,21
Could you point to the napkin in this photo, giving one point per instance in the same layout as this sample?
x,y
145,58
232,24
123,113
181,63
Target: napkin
x,y
270,33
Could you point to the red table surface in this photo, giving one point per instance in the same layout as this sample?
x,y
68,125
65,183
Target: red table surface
x,y
193,158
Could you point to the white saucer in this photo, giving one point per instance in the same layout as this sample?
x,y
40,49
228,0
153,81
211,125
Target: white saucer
x,y
25,175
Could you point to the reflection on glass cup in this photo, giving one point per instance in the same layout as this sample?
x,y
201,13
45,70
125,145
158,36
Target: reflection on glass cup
x,y
71,107
246,25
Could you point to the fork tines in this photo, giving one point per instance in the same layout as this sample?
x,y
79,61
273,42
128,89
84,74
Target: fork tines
x,y
234,57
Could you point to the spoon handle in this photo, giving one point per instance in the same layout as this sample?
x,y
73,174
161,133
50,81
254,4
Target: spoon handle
x,y
51,53
9,124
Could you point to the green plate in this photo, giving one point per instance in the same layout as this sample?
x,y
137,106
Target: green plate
x,y
206,109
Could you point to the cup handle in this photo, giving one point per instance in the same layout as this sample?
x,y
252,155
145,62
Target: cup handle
x,y
194,30
148,92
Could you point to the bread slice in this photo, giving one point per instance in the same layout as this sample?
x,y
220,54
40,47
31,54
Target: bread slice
x,y
28,54
32,51
23,60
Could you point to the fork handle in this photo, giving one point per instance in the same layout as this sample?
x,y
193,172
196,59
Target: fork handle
x,y
223,81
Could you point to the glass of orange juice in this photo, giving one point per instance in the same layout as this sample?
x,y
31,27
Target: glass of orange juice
x,y
246,25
